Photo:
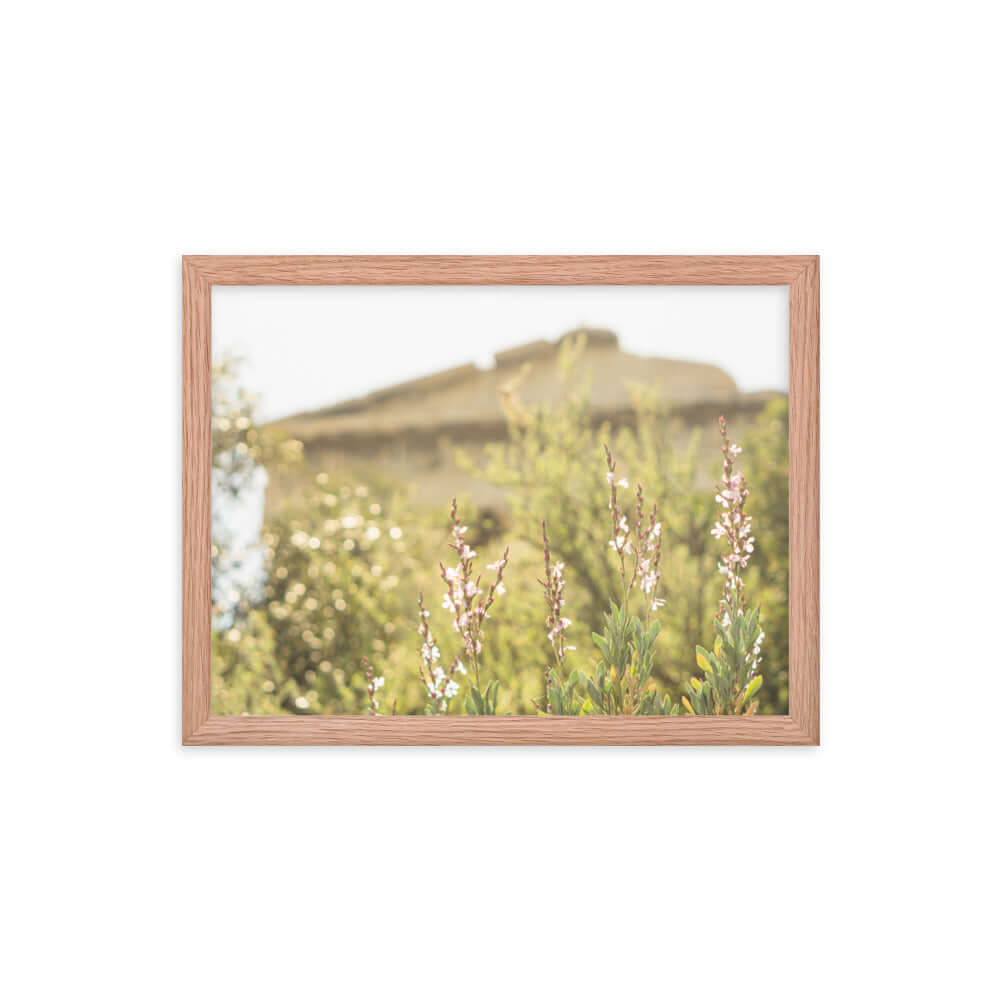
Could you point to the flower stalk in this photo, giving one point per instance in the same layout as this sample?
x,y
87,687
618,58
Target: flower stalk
x,y
637,545
731,674
555,622
373,684
470,606
439,683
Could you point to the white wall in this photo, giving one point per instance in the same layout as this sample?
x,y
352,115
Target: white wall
x,y
134,868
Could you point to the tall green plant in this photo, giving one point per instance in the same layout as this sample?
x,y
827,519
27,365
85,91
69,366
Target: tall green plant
x,y
469,605
622,685
623,680
731,675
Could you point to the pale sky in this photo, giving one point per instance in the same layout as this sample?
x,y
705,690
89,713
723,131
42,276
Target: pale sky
x,y
305,347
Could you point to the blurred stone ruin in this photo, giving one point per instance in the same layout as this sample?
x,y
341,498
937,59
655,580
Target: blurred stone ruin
x,y
409,431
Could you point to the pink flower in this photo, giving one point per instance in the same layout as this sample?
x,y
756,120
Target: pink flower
x,y
463,590
734,527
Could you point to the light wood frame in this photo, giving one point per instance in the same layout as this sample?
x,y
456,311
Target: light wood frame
x,y
799,273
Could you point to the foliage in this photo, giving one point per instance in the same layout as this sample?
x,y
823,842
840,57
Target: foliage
x,y
483,702
470,607
729,683
623,684
562,697
340,570
331,563
731,677
336,559
241,452
765,458
248,678
547,466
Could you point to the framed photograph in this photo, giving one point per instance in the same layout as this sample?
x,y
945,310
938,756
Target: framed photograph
x,y
501,500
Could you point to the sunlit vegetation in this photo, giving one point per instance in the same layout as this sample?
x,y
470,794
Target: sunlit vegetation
x,y
353,600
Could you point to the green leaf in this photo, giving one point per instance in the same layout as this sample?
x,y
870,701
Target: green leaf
x,y
701,658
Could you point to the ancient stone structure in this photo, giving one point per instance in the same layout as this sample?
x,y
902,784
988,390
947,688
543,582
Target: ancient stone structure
x,y
410,431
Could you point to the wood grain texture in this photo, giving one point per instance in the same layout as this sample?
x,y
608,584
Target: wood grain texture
x,y
196,506
530,270
524,730
803,500
799,727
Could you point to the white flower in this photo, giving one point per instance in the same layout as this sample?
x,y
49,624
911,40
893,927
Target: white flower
x,y
500,589
623,483
378,682
450,689
459,667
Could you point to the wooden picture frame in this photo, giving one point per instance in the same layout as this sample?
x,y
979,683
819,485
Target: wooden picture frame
x,y
799,273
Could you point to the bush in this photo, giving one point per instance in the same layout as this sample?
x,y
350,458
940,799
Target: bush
x,y
352,569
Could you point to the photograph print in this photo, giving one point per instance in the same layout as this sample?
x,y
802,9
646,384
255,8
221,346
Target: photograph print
x,y
500,500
